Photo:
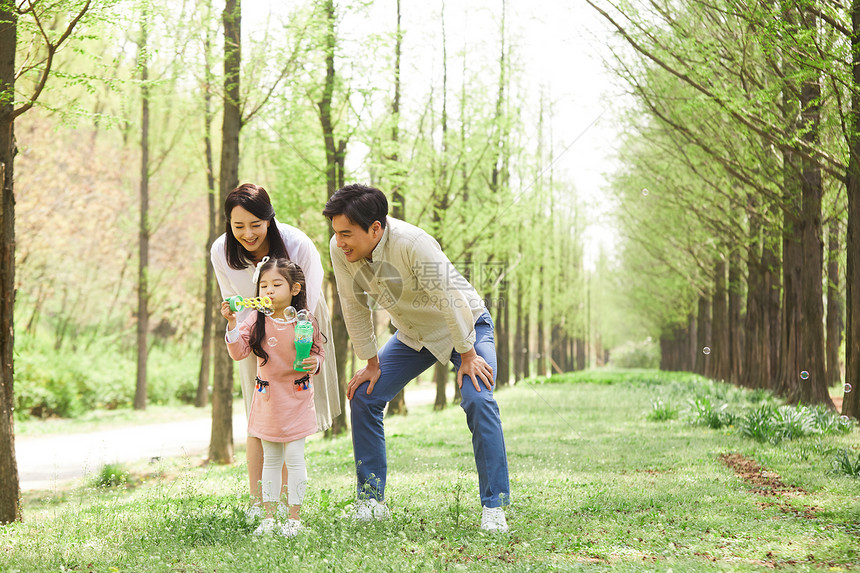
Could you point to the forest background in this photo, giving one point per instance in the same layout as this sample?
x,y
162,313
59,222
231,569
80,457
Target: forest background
x,y
737,127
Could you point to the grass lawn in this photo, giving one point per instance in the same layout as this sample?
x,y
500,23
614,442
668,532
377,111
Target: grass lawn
x,y
596,486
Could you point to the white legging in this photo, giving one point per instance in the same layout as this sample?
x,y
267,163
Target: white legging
x,y
274,456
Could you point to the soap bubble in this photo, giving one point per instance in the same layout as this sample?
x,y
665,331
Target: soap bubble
x,y
289,317
273,341
303,315
706,350
848,388
804,374
267,310
844,419
644,192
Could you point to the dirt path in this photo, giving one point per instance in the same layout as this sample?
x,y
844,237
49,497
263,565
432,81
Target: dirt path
x,y
46,462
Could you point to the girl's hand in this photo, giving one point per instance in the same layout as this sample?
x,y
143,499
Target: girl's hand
x,y
311,364
228,314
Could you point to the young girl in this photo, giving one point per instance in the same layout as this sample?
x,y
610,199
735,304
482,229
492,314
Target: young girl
x,y
282,410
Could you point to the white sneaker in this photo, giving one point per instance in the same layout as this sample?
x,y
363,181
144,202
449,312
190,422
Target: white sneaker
x,y
493,520
291,528
253,514
265,527
370,509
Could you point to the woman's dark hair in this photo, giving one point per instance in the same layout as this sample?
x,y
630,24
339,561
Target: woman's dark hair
x,y
255,200
361,204
293,273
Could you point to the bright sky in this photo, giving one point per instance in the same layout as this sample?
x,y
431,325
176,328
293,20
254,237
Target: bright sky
x,y
557,46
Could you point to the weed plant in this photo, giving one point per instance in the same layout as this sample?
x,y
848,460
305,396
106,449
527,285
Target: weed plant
x,y
845,463
662,412
110,475
594,485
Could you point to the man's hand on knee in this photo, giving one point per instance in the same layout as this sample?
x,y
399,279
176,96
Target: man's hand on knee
x,y
474,366
370,373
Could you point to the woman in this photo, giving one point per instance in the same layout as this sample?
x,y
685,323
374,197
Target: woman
x,y
253,233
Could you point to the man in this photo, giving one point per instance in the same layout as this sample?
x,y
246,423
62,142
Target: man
x,y
439,317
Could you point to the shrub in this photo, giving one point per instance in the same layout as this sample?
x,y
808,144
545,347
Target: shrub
x,y
67,383
644,354
774,424
794,422
759,425
711,415
111,475
661,412
844,464
50,385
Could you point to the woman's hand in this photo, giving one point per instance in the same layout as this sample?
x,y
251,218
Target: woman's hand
x,y
228,314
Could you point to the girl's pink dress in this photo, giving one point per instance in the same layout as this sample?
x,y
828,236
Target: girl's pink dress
x,y
285,413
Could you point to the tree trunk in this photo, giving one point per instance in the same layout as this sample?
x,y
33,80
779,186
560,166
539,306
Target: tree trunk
x,y
503,346
735,329
440,377
10,509
834,307
143,230
851,398
581,354
540,369
754,352
666,353
526,335
813,390
788,376
211,296
440,371
221,443
519,345
397,406
703,339
692,344
720,351
771,271
334,156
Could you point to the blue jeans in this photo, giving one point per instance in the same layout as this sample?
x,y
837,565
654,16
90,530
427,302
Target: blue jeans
x,y
400,364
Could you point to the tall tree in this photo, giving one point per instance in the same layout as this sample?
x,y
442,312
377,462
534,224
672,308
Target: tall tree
x,y
441,192
813,390
221,441
211,298
239,110
851,398
335,158
498,184
834,305
143,226
397,405
45,19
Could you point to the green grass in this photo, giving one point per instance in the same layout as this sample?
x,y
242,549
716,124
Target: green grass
x,y
596,486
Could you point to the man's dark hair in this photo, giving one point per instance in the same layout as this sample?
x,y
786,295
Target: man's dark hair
x,y
361,204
